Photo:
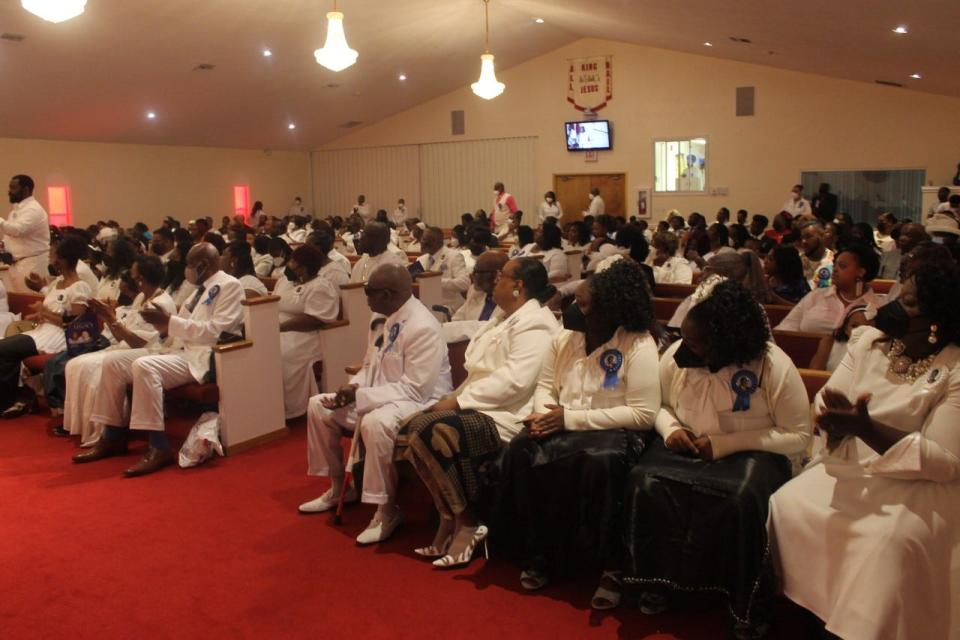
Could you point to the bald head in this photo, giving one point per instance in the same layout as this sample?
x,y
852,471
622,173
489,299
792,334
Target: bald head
x,y
911,234
203,260
376,237
432,240
388,288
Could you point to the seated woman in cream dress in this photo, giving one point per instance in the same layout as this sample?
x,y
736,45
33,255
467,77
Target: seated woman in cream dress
x,y
307,302
734,425
126,329
867,537
453,442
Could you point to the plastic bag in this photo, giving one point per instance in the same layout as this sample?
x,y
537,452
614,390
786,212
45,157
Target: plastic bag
x,y
202,442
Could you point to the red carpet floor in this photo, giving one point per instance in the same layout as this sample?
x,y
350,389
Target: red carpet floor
x,y
220,552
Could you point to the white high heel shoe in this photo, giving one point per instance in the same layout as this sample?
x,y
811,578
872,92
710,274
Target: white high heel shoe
x,y
463,558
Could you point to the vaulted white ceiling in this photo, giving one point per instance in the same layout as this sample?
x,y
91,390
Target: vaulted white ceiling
x,y
95,77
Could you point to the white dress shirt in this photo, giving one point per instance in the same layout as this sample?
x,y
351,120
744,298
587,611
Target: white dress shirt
x,y
252,283
263,264
575,380
473,306
503,363
455,278
676,270
547,210
555,262
218,309
798,208
821,311
777,420
398,215
26,231
597,207
362,210
406,360
337,271
367,264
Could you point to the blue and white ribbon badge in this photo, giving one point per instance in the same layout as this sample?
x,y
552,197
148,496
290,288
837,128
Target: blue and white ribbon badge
x,y
214,290
744,384
610,361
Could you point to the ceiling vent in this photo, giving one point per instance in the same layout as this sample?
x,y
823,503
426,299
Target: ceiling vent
x,y
12,37
205,66
888,83
350,124
332,85
741,40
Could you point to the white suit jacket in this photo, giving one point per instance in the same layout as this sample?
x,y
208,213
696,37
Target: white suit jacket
x,y
194,332
406,360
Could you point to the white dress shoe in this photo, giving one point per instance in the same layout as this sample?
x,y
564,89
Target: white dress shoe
x,y
328,501
381,527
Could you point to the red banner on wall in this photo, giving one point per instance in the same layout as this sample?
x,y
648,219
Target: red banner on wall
x,y
590,82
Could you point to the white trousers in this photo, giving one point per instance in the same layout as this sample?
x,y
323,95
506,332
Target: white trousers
x,y
20,269
378,430
149,375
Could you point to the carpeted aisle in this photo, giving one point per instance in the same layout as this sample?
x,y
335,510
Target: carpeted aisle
x,y
220,552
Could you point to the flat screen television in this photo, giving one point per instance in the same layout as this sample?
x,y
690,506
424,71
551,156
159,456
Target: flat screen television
x,y
589,135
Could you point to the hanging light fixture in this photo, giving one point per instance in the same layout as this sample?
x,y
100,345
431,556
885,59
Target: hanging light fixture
x,y
55,10
335,55
487,87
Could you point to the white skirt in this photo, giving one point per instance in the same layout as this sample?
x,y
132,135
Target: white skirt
x,y
83,381
299,350
873,557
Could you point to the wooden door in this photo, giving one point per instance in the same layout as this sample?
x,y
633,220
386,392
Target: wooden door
x,y
572,190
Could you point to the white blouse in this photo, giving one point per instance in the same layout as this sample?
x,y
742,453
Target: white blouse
x,y
777,419
131,320
50,338
821,311
253,283
318,298
675,270
575,380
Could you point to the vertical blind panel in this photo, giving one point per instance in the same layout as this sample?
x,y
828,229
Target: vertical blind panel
x,y
457,177
382,174
863,195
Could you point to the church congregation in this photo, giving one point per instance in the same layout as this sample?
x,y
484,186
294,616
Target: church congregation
x,y
675,395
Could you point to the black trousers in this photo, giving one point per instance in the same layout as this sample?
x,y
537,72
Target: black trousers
x,y
13,350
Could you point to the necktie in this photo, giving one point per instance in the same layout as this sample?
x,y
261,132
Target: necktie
x,y
196,299
430,263
488,308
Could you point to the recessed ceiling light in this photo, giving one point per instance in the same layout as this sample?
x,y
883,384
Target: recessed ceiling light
x,y
902,29
291,126
538,20
151,115
267,53
708,44
915,76
402,76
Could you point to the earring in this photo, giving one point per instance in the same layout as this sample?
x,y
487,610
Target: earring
x,y
932,338
516,294
859,287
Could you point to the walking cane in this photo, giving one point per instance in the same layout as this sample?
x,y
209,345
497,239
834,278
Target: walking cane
x,y
348,476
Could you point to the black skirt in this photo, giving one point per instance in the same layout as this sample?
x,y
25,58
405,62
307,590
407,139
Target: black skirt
x,y
701,526
559,501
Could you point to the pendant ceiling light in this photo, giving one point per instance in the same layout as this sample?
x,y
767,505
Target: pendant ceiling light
x,y
487,87
55,10
335,55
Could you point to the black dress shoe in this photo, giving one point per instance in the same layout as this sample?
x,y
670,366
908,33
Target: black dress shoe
x,y
59,431
17,409
153,460
103,449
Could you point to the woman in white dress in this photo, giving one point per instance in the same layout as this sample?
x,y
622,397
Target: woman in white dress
x,y
525,245
125,328
64,298
307,302
174,279
117,259
668,267
821,310
262,260
548,240
550,207
867,537
237,260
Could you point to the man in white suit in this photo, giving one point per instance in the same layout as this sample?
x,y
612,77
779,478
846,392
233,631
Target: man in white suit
x,y
185,357
405,370
455,278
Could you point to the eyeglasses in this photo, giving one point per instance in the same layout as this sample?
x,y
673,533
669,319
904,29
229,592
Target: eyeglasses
x,y
369,291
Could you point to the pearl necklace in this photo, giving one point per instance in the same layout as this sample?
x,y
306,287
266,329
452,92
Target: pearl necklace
x,y
903,367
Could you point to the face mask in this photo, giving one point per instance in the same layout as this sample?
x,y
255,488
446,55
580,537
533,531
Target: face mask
x,y
549,200
52,270
108,261
687,359
937,239
124,300
290,275
893,320
573,318
157,249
